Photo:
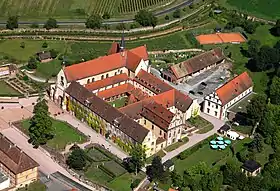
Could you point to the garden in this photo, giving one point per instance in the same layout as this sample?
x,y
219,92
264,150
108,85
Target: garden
x,y
6,90
201,124
102,167
34,186
118,103
65,134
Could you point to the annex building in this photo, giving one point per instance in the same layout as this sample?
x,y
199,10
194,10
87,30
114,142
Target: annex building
x,y
192,67
217,103
17,169
154,113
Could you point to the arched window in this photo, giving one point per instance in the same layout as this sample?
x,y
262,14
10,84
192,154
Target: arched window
x,y
92,80
102,77
107,75
88,81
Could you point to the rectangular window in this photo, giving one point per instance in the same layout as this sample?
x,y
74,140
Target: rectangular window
x,y
160,132
217,106
144,121
208,103
208,110
216,113
152,127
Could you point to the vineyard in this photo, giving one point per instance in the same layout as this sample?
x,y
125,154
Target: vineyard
x,y
127,6
66,9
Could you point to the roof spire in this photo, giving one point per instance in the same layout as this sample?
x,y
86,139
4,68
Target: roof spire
x,y
122,45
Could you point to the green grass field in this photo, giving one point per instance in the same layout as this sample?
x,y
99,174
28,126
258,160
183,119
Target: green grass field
x,y
64,134
6,90
122,183
69,9
260,8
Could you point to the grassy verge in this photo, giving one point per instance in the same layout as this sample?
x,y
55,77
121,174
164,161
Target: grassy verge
x,y
177,145
64,134
160,154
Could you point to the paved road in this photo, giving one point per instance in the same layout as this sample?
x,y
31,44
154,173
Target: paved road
x,y
94,137
47,165
194,139
159,13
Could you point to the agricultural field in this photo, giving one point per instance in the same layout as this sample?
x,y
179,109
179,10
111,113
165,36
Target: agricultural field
x,y
127,6
69,9
259,8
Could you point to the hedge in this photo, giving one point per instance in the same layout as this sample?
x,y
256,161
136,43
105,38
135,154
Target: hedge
x,y
107,171
183,155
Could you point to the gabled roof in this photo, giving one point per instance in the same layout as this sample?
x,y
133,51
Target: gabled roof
x,y
107,82
174,98
197,63
107,112
115,48
234,88
151,82
141,51
118,90
14,158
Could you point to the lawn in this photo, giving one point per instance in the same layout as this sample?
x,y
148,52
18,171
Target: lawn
x,y
48,69
95,174
12,48
119,102
64,134
208,155
34,186
241,105
6,90
259,8
114,167
122,183
177,145
243,129
202,124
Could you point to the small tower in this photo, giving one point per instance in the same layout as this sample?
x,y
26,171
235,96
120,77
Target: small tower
x,y
122,44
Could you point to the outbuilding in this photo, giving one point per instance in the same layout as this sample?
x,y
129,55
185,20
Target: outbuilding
x,y
251,168
224,129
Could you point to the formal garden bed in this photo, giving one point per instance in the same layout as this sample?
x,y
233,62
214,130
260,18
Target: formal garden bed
x,y
118,103
103,168
201,124
6,90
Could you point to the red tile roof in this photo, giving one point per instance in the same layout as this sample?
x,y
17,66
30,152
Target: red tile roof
x,y
197,63
107,112
14,158
115,48
234,88
174,98
129,59
151,82
118,90
107,82
141,51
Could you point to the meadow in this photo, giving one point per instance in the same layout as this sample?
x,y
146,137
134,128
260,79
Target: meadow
x,y
260,8
69,9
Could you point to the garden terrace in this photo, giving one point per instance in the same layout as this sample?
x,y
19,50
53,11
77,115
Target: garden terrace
x,y
104,168
7,90
20,86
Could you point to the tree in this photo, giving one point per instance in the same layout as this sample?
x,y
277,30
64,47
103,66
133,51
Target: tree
x,y
106,15
266,58
250,27
156,170
276,29
32,63
12,22
45,45
135,183
177,179
146,18
212,181
77,159
274,91
253,48
256,108
40,130
257,143
53,53
120,26
22,45
177,13
94,22
138,158
276,141
50,24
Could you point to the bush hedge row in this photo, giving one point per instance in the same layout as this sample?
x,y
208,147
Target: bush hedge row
x,y
183,155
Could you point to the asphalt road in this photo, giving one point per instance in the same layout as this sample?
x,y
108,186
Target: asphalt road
x,y
75,22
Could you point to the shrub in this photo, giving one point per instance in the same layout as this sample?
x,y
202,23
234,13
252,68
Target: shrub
x,y
135,183
166,17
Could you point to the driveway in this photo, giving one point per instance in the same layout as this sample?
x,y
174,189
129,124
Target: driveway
x,y
47,165
94,137
196,138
